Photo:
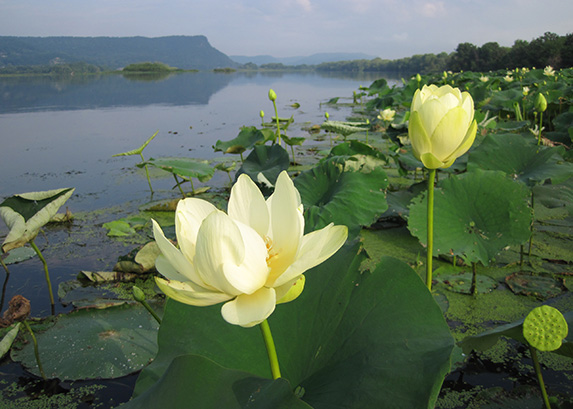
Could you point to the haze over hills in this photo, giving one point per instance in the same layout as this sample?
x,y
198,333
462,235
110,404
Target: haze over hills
x,y
186,52
313,59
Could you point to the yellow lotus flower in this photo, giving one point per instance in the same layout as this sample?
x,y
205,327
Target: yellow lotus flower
x,y
548,71
387,115
442,125
251,258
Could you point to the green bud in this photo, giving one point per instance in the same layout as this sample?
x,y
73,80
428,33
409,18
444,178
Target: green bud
x,y
418,77
326,115
138,294
262,113
540,103
272,95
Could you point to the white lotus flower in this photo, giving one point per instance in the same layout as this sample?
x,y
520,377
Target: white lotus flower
x,y
387,115
252,258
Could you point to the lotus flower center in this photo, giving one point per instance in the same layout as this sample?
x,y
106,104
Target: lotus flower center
x,y
271,252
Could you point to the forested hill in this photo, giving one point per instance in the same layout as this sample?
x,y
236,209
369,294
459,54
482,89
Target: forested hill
x,y
185,52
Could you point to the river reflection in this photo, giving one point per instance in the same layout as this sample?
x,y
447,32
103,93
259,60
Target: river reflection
x,y
63,132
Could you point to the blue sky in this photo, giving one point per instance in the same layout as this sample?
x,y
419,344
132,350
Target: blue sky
x,y
384,28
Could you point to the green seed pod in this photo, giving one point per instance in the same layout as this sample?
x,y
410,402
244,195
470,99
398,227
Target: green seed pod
x,y
272,95
540,103
545,328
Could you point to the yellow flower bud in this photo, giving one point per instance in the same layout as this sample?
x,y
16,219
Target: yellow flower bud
x,y
442,125
272,95
540,103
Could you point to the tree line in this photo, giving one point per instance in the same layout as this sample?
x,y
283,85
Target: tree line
x,y
549,49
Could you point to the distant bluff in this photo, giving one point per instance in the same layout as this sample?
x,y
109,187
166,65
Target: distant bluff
x,y
186,52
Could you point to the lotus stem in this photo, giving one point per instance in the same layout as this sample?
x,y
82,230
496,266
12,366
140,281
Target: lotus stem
x,y
36,352
540,123
277,121
139,296
531,227
271,350
46,272
430,247
539,376
473,288
4,265
179,185
146,172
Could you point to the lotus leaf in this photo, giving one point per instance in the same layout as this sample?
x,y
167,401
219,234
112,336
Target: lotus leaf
x,y
521,159
184,167
476,215
267,161
343,191
26,213
371,335
91,344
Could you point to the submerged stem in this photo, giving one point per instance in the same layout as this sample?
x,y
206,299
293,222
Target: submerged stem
x,y
271,351
46,273
539,376
36,352
430,248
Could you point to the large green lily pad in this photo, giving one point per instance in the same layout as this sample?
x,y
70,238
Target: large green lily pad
x,y
476,215
521,159
370,336
193,375
248,137
265,163
93,343
343,191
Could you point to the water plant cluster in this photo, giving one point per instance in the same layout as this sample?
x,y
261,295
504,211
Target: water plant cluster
x,y
389,253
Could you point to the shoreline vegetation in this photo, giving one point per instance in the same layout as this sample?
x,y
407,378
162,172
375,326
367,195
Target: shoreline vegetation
x,y
549,49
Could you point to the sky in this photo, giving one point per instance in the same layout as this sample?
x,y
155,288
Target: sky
x,y
382,28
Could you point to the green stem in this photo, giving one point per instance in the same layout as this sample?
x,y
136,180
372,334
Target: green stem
x,y
431,177
146,173
36,352
473,289
179,185
271,351
532,221
151,311
4,264
540,122
46,273
539,376
277,120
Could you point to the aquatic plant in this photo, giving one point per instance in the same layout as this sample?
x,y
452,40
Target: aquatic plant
x,y
139,151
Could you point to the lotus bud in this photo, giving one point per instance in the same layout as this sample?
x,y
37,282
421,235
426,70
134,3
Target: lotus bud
x,y
540,103
272,95
326,115
138,294
262,114
442,125
418,77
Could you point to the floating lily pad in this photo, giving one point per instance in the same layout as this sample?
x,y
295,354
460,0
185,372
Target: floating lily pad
x,y
462,283
19,254
536,285
476,215
92,344
545,328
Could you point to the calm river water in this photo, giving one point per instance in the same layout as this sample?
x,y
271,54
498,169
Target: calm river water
x,y
59,133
